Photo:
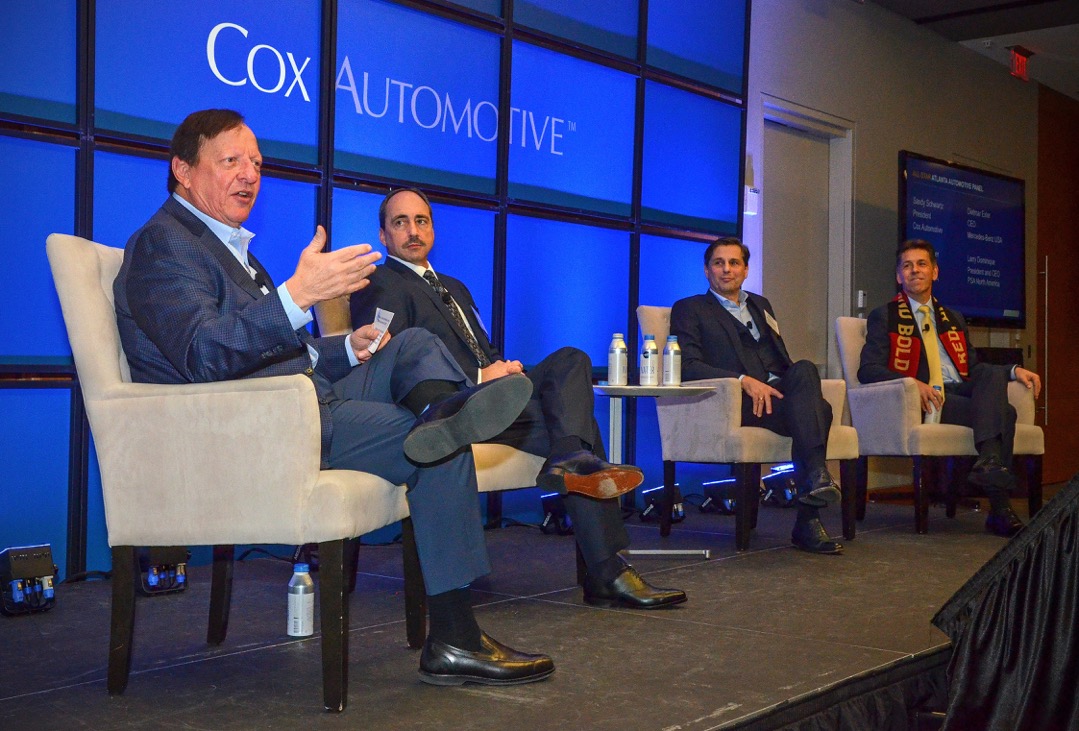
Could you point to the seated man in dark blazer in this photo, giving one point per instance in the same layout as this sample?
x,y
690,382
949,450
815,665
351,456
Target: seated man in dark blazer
x,y
558,421
193,305
900,342
730,333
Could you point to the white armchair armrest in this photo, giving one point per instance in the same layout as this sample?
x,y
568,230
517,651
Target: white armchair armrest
x,y
884,414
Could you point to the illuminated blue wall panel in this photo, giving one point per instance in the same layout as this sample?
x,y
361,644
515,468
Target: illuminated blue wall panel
x,y
33,471
419,104
670,270
565,285
610,25
701,40
560,137
692,160
37,198
283,222
158,62
127,191
37,58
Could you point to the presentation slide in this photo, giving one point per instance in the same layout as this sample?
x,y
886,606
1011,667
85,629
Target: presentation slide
x,y
158,62
417,96
614,29
37,59
976,222
704,41
569,119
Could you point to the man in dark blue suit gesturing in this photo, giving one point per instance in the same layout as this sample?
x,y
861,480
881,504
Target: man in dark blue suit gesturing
x,y
730,333
193,305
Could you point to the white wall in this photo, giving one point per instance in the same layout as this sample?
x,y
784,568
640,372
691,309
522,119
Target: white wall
x,y
902,87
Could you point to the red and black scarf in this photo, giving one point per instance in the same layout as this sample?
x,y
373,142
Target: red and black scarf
x,y
905,348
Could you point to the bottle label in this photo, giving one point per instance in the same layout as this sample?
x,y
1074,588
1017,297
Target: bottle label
x,y
649,368
672,368
301,614
617,365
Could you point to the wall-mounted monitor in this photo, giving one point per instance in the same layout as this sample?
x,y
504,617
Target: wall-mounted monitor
x,y
976,221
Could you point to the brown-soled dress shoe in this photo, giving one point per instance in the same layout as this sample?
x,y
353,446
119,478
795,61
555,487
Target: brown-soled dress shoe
x,y
584,473
809,535
1004,523
630,590
468,416
493,664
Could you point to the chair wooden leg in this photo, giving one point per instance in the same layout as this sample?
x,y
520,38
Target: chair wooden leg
x,y
922,478
494,510
220,594
863,487
415,593
848,485
352,562
747,480
1032,471
122,623
333,613
668,498
948,485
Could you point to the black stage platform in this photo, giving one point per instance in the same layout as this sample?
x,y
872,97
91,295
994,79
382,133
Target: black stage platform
x,y
767,636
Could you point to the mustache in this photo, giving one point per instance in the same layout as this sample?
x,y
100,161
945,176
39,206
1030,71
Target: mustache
x,y
414,240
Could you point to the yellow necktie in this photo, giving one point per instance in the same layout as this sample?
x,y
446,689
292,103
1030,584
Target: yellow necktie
x,y
932,350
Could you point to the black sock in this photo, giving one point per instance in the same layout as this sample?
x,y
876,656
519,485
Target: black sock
x,y
452,620
565,445
608,569
989,448
807,513
426,393
999,500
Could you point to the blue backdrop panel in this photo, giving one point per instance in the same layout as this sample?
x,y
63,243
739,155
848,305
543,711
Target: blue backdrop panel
x,y
158,62
37,58
491,7
33,471
670,270
127,191
691,160
610,25
417,96
37,198
464,240
565,285
283,222
570,119
713,52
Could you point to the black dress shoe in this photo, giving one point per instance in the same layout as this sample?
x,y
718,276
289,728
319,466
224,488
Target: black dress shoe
x,y
630,590
1004,523
468,416
493,664
820,490
586,474
989,474
809,535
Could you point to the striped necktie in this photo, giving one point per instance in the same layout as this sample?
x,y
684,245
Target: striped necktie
x,y
932,350
458,319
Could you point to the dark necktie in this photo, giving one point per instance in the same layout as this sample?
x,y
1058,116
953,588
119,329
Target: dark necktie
x,y
455,312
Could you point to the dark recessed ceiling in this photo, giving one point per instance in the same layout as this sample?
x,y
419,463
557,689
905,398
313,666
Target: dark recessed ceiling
x,y
1049,28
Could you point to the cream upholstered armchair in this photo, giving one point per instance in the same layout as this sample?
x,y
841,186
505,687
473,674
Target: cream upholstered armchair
x,y
170,473
709,429
888,417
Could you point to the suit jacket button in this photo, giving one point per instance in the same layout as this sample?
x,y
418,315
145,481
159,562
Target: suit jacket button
x,y
309,371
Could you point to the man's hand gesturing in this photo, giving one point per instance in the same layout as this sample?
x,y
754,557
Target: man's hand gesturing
x,y
321,276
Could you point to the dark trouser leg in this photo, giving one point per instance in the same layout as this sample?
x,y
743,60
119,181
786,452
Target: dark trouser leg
x,y
369,429
562,407
982,404
802,414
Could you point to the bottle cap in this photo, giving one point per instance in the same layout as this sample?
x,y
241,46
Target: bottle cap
x,y
618,336
649,337
672,338
301,568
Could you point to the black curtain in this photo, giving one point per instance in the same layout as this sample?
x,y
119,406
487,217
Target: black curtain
x,y
1015,660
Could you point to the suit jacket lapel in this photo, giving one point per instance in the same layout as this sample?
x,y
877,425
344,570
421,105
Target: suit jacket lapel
x,y
730,325
225,258
429,292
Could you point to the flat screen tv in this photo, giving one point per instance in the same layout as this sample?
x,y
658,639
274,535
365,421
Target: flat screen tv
x,y
976,221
